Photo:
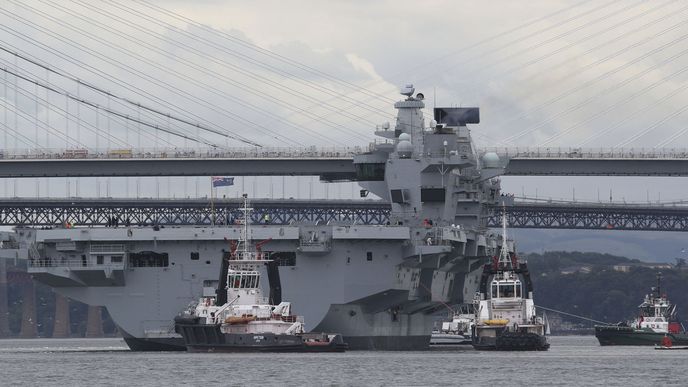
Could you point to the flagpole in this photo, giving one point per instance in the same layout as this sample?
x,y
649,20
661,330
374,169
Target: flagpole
x,y
212,203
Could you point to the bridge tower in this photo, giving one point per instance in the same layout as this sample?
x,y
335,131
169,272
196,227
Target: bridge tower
x,y
29,328
61,328
94,324
4,312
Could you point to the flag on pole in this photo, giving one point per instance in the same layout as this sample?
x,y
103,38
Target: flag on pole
x,y
219,181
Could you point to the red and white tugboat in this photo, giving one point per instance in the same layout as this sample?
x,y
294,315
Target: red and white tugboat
x,y
655,324
505,317
237,318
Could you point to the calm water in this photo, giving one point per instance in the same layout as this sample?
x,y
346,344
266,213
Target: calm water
x,y
570,361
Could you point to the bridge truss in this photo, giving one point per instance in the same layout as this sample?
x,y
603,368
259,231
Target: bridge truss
x,y
102,212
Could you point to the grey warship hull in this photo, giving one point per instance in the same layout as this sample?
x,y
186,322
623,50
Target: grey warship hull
x,y
376,285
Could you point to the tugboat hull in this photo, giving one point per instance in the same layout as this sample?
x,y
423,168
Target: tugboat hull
x,y
209,338
510,341
619,335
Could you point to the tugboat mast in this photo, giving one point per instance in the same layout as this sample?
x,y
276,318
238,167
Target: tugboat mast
x,y
504,258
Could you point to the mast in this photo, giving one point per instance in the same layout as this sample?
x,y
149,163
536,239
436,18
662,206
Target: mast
x,y
504,258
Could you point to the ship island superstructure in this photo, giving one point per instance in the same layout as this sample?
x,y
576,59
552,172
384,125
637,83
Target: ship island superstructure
x,y
376,285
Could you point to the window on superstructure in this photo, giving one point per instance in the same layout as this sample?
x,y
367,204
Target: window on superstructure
x,y
116,259
369,256
195,256
243,281
284,258
148,259
100,259
506,290
234,281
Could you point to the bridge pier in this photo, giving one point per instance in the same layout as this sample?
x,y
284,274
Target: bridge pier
x,y
94,324
4,312
29,328
61,327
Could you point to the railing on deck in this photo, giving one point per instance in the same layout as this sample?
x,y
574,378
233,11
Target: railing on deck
x,y
180,153
72,263
589,153
115,248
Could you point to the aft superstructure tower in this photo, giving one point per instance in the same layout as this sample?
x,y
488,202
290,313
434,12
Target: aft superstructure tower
x,y
442,191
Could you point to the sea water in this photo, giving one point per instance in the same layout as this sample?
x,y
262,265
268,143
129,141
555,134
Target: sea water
x,y
571,361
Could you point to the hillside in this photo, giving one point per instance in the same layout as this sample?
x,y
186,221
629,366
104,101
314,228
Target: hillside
x,y
601,286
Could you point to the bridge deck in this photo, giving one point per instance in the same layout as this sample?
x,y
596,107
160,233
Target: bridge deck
x,y
146,212
329,163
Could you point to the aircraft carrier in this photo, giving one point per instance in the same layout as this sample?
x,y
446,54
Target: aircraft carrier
x,y
377,285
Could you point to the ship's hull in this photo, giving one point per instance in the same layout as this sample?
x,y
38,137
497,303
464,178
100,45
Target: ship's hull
x,y
383,321
504,340
620,335
145,298
200,337
154,344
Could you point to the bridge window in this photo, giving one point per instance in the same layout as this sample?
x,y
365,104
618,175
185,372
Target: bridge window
x,y
243,281
148,259
195,256
432,194
284,258
507,290
370,171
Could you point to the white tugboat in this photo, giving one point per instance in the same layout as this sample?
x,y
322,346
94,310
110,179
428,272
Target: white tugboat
x,y
237,318
505,317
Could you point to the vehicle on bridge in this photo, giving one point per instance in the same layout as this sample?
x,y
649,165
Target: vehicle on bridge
x,y
75,153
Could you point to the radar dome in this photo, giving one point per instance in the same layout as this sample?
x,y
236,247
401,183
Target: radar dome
x,y
491,160
404,148
404,137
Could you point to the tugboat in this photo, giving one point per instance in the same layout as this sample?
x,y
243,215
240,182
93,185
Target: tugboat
x,y
656,321
505,318
456,332
237,318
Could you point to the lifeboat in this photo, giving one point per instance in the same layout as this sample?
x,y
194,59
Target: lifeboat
x,y
233,320
496,321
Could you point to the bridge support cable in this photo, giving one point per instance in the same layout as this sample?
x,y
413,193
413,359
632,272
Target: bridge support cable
x,y
607,74
191,81
521,94
238,55
107,110
105,58
49,129
133,103
629,98
601,77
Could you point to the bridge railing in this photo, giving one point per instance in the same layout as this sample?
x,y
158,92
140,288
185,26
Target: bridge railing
x,y
588,153
179,153
73,263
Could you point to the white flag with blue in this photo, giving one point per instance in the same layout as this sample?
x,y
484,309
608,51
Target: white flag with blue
x,y
219,181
